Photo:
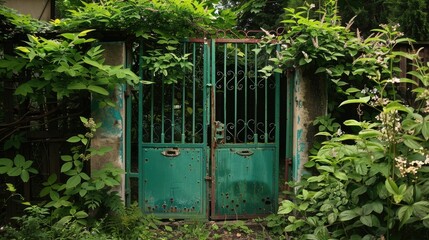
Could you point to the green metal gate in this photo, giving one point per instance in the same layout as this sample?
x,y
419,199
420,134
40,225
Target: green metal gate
x,y
208,145
245,126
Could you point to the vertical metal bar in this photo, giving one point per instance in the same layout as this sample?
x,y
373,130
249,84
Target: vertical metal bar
x,y
289,118
277,135
245,93
212,63
225,52
162,112
193,90
140,129
255,133
128,139
172,112
266,106
235,92
152,126
183,108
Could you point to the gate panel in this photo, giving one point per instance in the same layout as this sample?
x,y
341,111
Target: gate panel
x,y
173,137
174,186
245,117
244,181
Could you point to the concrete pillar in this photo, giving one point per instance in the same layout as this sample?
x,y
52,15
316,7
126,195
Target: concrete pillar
x,y
310,101
112,131
38,9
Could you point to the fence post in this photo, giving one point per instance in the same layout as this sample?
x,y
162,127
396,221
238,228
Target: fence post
x,y
112,131
310,101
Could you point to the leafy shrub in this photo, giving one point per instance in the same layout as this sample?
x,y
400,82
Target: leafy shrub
x,y
371,181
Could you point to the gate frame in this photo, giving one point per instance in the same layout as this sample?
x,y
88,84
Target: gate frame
x,y
210,174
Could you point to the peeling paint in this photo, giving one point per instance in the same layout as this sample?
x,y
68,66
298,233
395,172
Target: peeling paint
x,y
112,131
309,102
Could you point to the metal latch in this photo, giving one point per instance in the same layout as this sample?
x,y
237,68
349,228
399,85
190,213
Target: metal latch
x,y
172,152
219,132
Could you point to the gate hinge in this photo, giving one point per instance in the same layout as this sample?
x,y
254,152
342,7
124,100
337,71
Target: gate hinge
x,y
208,178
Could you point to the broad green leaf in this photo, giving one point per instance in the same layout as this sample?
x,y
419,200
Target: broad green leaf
x,y
19,160
24,89
347,215
341,175
396,106
332,217
66,167
411,143
425,128
421,209
366,220
25,176
76,86
15,171
98,89
73,139
286,207
359,100
404,214
5,165
23,49
81,214
391,186
67,158
73,181
64,220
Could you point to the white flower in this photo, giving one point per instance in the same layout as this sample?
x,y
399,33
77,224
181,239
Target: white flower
x,y
394,80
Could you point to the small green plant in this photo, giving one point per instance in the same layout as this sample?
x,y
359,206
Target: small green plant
x,y
80,193
19,166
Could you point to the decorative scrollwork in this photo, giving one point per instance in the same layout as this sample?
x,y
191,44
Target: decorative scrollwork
x,y
271,132
229,132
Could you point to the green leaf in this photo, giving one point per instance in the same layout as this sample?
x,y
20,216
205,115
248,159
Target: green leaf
x,y
286,207
66,167
24,89
74,139
23,49
19,160
5,165
347,215
64,220
425,128
73,181
360,100
67,158
391,186
25,176
341,175
81,214
168,228
76,86
404,214
98,89
332,217
366,220
15,171
411,143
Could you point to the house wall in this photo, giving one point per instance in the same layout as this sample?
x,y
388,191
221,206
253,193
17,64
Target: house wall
x,y
39,9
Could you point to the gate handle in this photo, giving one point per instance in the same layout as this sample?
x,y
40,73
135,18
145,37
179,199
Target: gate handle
x,y
246,152
172,152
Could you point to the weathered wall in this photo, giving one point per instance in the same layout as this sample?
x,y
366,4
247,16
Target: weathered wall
x,y
112,131
310,101
39,9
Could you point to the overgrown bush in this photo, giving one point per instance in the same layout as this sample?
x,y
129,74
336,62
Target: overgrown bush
x,y
371,179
